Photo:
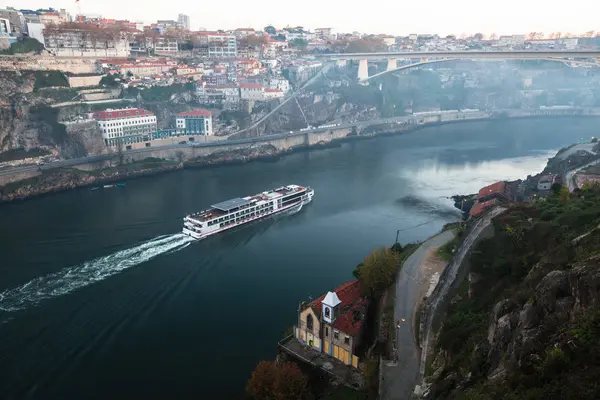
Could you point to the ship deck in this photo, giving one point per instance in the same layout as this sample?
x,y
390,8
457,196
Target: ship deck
x,y
239,203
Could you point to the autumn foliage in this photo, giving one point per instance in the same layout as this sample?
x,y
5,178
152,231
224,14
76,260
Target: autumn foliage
x,y
271,381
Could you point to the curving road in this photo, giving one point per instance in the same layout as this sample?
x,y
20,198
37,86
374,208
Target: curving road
x,y
399,378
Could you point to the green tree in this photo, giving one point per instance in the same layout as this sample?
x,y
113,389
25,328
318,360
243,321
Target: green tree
x,y
378,271
299,43
270,381
366,45
270,29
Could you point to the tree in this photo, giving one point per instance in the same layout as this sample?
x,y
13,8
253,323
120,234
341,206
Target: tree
x,y
270,29
271,381
378,271
366,45
478,36
299,43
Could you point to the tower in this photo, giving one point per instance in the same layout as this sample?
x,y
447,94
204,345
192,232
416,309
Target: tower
x,y
330,307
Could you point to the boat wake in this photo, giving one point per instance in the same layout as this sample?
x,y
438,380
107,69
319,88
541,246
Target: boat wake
x,y
72,278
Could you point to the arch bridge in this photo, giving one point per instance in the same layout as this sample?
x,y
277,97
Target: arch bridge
x,y
415,59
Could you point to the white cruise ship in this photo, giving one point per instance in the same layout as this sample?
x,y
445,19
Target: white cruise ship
x,y
241,210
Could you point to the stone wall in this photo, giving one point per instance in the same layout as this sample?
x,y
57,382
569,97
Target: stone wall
x,y
83,81
6,179
73,65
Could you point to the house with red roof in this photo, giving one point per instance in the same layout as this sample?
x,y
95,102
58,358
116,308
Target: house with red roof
x,y
491,196
333,323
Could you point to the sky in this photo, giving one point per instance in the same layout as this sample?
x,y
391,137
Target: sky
x,y
389,17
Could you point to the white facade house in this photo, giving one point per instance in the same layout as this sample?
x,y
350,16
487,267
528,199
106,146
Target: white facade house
x,y
252,91
279,83
270,94
125,126
227,48
165,45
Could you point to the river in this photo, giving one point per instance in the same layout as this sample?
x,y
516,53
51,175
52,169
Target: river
x,y
100,294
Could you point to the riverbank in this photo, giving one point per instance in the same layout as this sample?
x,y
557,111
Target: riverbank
x,y
52,181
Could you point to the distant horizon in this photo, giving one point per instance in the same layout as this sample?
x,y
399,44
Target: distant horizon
x,y
461,18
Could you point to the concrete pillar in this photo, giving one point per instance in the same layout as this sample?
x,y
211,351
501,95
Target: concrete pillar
x,y
391,64
363,70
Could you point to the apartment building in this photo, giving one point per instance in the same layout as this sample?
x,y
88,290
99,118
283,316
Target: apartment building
x,y
125,126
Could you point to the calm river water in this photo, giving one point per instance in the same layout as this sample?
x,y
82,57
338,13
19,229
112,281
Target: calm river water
x,y
100,295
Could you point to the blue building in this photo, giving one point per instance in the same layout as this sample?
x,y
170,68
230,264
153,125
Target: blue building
x,y
197,122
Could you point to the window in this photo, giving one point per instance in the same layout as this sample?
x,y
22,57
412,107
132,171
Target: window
x,y
309,322
326,331
327,312
336,334
347,340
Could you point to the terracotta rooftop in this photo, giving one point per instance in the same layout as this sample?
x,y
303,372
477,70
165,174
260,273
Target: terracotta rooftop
x,y
250,86
352,307
122,113
497,187
478,208
196,113
350,322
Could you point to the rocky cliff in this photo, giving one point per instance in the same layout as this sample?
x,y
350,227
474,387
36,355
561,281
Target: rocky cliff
x,y
526,324
28,122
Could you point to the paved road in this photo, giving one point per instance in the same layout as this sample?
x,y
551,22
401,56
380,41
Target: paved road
x,y
571,174
399,380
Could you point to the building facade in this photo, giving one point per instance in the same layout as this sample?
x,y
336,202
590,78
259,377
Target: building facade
x,y
86,43
184,21
252,91
333,323
194,123
125,126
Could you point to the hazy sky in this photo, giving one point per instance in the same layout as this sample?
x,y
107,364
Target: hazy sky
x,y
389,16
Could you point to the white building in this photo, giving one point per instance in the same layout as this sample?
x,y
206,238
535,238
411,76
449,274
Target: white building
x,y
184,21
279,83
36,31
125,126
164,44
86,43
270,94
194,123
252,91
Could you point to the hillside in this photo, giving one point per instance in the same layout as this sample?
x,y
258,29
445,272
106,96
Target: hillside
x,y
526,323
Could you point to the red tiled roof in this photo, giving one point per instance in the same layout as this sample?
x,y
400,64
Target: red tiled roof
x,y
497,187
199,112
250,86
347,293
352,303
122,113
350,322
478,208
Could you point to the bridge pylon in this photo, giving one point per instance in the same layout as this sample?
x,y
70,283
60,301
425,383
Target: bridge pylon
x,y
392,64
363,71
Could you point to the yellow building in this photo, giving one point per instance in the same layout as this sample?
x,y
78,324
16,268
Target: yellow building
x,y
333,323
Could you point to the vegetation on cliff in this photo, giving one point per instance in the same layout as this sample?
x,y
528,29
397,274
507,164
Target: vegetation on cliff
x,y
527,324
